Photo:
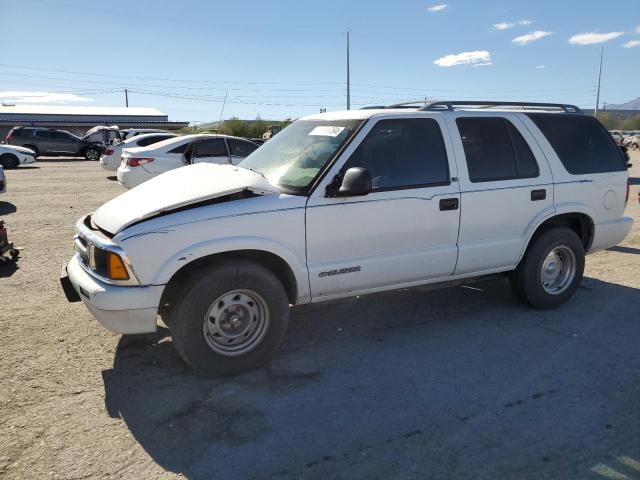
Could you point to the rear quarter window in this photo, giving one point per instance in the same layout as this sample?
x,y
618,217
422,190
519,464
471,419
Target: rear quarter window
x,y
581,142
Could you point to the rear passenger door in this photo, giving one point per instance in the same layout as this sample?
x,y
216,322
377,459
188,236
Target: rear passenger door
x,y
506,186
404,232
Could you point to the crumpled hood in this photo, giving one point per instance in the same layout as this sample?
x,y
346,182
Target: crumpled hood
x,y
175,189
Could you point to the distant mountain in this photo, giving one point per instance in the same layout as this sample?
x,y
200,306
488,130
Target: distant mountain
x,y
632,105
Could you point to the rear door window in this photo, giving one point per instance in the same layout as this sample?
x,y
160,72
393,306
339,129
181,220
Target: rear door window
x,y
495,150
581,142
239,148
45,134
143,142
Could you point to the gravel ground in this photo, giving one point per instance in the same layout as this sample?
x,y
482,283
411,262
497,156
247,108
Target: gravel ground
x,y
457,383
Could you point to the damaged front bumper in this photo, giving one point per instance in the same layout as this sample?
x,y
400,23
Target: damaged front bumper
x,y
121,309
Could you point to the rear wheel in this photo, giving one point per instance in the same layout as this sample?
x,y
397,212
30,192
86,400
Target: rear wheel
x,y
229,319
551,270
9,160
92,153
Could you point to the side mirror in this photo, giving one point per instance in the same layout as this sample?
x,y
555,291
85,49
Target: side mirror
x,y
355,182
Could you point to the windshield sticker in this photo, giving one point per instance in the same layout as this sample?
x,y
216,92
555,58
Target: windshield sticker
x,y
326,131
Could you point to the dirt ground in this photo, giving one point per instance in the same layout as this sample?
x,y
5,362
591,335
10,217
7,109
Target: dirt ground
x,y
457,383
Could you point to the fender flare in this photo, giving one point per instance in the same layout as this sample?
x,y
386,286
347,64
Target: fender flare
x,y
234,244
554,211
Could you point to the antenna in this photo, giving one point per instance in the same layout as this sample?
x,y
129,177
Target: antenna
x,y
599,82
223,104
348,76
126,98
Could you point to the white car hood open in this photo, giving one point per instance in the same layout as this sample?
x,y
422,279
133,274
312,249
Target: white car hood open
x,y
175,189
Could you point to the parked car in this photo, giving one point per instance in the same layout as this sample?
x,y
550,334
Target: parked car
x,y
349,203
53,143
633,142
143,163
12,156
3,180
110,159
132,132
103,135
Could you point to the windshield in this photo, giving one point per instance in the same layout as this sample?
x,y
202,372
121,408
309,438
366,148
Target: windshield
x,y
293,158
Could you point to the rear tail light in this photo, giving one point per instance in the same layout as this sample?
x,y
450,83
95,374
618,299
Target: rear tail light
x,y
9,138
109,151
136,161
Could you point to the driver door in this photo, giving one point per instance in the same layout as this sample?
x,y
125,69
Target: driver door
x,y
404,232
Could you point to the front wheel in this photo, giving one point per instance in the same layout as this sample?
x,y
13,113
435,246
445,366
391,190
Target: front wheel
x,y
9,160
229,319
551,270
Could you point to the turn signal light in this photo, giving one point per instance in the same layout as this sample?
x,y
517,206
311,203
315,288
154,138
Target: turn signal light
x,y
115,267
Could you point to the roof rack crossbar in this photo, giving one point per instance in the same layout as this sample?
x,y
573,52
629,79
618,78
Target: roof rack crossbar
x,y
449,105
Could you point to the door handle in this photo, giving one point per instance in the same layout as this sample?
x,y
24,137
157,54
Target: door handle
x,y
538,195
448,204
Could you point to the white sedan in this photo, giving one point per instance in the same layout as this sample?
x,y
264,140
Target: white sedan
x,y
110,159
143,163
12,156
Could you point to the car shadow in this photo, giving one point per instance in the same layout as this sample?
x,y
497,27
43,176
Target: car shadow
x,y
634,181
447,382
113,178
27,167
63,159
7,207
7,268
622,249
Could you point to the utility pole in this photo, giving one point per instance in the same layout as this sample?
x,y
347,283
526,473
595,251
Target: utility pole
x,y
126,98
226,92
348,76
599,81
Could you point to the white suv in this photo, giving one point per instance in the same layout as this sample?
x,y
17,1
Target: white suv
x,y
350,203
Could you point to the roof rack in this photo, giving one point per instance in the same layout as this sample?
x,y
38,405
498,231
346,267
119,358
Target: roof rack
x,y
450,105
410,104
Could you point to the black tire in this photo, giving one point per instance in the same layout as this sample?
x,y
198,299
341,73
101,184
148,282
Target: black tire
x,y
9,160
526,280
198,296
92,154
35,150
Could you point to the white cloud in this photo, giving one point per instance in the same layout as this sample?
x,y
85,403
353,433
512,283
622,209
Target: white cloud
x,y
503,26
541,67
631,44
15,96
508,25
437,8
478,58
637,29
530,37
591,37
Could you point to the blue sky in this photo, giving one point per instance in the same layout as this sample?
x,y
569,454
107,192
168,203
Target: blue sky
x,y
286,58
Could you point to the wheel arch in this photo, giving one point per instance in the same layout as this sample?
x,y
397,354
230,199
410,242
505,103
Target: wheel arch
x,y
278,265
579,221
